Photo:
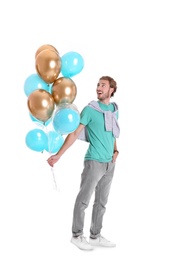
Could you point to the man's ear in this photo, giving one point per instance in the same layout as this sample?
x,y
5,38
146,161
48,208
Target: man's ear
x,y
112,90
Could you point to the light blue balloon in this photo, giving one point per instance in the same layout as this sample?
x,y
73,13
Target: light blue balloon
x,y
50,88
66,120
55,141
34,82
36,140
35,120
72,63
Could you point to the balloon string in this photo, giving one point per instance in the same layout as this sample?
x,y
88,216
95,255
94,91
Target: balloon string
x,y
52,169
55,185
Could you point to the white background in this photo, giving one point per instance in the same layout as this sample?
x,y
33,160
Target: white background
x,y
131,41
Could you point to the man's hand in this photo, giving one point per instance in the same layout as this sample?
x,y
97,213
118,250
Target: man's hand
x,y
53,159
114,157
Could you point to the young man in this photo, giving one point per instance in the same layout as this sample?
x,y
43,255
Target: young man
x,y
98,126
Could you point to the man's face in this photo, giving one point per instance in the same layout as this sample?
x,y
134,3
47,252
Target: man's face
x,y
103,90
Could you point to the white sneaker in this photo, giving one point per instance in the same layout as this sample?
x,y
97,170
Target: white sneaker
x,y
81,243
101,241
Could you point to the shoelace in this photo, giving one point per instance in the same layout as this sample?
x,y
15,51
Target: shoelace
x,y
83,239
103,239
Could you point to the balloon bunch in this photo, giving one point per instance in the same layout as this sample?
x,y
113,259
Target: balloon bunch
x,y
50,94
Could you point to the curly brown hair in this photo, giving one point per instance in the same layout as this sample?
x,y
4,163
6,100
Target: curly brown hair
x,y
112,83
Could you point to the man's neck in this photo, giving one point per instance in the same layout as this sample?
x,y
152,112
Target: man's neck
x,y
105,101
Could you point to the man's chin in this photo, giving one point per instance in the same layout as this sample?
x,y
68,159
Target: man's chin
x,y
99,98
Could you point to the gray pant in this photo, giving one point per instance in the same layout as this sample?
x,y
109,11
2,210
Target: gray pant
x,y
95,176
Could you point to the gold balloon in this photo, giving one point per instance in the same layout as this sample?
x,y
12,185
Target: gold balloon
x,y
45,47
48,65
41,104
64,90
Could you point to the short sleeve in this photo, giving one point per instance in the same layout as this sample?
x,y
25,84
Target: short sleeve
x,y
85,116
